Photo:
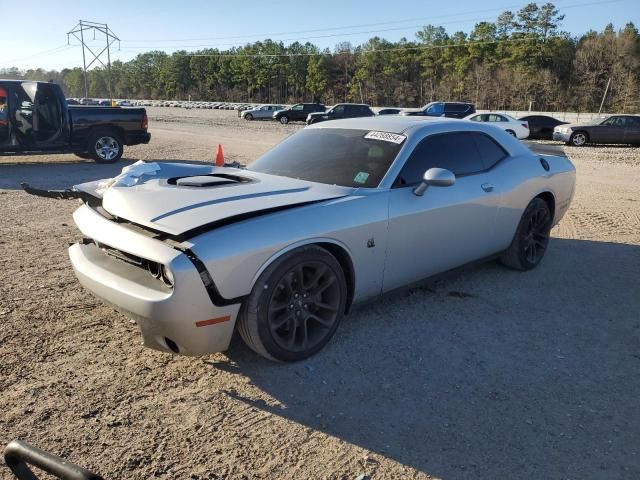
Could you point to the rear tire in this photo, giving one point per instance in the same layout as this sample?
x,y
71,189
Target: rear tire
x,y
295,306
105,146
512,133
531,239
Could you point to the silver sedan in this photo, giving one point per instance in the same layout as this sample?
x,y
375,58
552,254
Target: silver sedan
x,y
337,213
265,111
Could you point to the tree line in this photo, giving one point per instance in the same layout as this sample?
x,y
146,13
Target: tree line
x,y
521,59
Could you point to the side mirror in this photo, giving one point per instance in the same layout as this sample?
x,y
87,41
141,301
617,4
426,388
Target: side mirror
x,y
435,177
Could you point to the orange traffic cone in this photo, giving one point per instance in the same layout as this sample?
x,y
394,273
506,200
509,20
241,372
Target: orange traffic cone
x,y
220,157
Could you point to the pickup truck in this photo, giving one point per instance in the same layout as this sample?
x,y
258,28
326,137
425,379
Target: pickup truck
x,y
35,118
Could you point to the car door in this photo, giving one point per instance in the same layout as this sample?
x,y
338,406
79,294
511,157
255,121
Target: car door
x,y
339,111
546,126
435,110
447,226
609,131
298,112
5,127
632,130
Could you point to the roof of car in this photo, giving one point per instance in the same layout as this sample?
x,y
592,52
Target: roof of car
x,y
390,123
420,125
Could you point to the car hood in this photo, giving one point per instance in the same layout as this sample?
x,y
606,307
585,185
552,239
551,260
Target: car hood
x,y
177,198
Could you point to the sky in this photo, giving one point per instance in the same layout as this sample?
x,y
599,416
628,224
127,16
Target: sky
x,y
34,34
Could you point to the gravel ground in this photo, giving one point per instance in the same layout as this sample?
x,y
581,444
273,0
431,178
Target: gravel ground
x,y
486,374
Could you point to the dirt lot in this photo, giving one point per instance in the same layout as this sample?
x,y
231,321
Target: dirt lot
x,y
486,374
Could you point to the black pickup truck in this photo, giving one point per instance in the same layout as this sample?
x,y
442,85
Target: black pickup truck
x,y
35,118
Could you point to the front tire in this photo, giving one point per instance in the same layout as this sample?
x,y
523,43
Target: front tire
x,y
531,240
295,306
105,146
284,119
578,139
248,116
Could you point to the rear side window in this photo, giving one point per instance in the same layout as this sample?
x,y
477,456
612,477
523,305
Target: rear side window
x,y
490,152
457,152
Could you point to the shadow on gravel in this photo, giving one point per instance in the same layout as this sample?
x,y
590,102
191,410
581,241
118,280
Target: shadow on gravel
x,y
489,374
59,175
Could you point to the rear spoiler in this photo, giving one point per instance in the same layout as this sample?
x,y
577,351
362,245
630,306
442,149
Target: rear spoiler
x,y
67,194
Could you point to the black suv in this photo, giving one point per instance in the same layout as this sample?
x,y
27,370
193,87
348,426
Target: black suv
x,y
298,112
341,110
442,109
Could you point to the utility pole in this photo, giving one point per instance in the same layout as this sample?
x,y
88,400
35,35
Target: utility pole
x,y
604,96
110,39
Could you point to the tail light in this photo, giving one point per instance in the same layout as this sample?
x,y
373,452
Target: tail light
x,y
145,122
526,125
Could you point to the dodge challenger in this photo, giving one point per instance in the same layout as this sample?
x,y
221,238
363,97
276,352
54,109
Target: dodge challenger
x,y
337,213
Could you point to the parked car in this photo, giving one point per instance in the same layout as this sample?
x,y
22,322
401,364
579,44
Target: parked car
x,y
516,128
104,103
442,109
389,111
341,110
331,216
72,101
614,129
39,120
541,126
124,103
265,111
299,112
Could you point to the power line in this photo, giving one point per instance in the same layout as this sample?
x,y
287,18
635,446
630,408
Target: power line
x,y
39,54
328,29
377,31
378,50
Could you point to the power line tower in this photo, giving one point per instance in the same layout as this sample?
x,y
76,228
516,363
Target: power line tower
x,y
110,38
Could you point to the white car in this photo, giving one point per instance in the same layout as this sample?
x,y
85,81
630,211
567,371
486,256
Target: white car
x,y
517,128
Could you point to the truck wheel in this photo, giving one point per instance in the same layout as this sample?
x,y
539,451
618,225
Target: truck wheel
x,y
284,119
105,146
295,306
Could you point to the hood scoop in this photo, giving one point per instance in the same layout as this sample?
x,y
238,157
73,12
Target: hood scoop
x,y
214,180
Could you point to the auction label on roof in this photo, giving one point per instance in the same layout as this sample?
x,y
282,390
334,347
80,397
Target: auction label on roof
x,y
386,137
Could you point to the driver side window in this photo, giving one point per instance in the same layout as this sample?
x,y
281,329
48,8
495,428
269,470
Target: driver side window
x,y
614,122
436,109
457,152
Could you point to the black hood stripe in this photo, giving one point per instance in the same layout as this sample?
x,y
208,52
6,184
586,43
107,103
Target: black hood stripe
x,y
229,199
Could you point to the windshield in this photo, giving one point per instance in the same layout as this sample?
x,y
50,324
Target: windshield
x,y
335,156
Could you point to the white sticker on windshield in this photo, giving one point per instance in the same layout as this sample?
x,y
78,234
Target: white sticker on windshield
x,y
386,137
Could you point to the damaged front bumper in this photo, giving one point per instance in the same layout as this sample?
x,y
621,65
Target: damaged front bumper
x,y
178,318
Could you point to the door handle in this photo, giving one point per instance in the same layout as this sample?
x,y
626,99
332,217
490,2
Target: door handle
x,y
487,187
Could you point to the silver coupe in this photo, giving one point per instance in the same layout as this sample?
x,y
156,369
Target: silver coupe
x,y
337,213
